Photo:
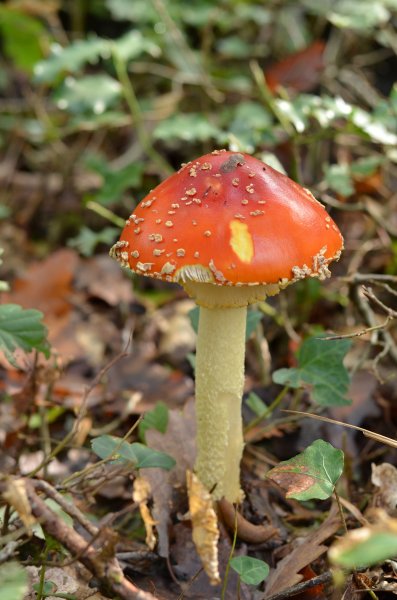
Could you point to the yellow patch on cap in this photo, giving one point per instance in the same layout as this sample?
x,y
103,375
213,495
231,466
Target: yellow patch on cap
x,y
241,241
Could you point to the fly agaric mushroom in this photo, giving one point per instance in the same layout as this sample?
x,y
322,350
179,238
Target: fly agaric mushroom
x,y
231,230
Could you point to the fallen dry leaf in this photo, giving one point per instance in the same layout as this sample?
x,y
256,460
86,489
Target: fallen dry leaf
x,y
300,71
384,477
305,551
169,487
141,495
205,528
16,496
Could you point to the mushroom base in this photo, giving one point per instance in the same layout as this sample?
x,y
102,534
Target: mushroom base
x,y
219,389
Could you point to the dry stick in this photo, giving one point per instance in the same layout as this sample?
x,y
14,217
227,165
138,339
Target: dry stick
x,y
301,587
383,439
68,507
106,569
82,412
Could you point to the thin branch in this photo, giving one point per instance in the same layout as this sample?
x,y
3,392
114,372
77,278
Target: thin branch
x,y
104,568
302,587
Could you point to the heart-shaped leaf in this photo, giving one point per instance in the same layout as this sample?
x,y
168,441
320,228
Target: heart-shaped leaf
x,y
320,365
311,474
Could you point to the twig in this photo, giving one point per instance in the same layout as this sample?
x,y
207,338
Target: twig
x,y
302,587
68,507
355,334
104,568
136,113
383,439
368,293
82,412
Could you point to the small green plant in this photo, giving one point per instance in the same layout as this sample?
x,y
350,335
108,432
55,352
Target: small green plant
x,y
320,368
136,454
14,581
311,474
22,329
251,570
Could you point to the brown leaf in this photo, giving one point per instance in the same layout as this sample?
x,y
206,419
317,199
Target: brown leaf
x,y
384,477
141,495
204,523
300,71
46,284
16,496
169,487
286,574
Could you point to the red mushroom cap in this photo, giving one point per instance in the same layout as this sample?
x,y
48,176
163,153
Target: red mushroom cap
x,y
229,219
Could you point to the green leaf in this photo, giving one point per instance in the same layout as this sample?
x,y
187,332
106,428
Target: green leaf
x,y
251,570
154,419
364,167
116,181
87,240
14,581
320,366
254,317
365,546
194,316
250,124
140,456
23,37
133,44
364,15
311,474
93,93
23,329
148,458
339,179
49,588
71,58
139,10
192,127
256,404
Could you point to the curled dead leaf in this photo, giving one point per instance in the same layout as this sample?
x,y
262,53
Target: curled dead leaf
x,y
141,494
15,494
205,527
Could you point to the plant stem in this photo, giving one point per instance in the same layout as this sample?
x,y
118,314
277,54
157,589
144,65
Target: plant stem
x,y
105,213
42,577
136,113
268,410
341,513
226,577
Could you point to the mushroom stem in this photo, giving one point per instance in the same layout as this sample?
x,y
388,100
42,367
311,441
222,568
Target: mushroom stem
x,y
219,389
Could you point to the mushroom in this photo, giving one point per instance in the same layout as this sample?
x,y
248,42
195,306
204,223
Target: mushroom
x,y
231,230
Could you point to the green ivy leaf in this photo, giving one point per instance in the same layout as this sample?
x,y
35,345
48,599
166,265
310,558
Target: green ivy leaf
x,y
140,456
192,127
14,581
320,366
339,179
94,93
71,58
87,240
366,546
256,404
20,328
251,570
154,419
23,37
311,474
116,181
